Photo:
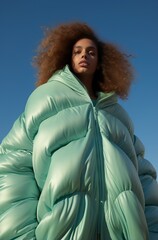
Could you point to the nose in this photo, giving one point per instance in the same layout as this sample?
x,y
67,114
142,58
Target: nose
x,y
84,54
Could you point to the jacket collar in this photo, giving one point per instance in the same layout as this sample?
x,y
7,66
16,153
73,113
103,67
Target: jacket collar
x,y
68,78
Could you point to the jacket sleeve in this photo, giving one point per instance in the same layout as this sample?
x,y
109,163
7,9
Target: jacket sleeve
x,y
147,174
19,192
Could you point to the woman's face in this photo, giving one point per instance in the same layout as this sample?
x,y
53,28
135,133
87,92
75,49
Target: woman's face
x,y
84,58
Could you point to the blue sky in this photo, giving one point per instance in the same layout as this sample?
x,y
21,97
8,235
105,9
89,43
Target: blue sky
x,y
133,25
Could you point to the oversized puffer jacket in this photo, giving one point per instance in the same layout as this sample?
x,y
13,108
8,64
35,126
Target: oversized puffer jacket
x,y
72,170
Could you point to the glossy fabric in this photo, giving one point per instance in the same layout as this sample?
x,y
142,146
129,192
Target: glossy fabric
x,y
69,169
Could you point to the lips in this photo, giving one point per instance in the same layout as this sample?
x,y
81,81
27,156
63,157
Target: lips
x,y
83,63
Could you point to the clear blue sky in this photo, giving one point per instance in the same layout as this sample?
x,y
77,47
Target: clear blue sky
x,y
131,24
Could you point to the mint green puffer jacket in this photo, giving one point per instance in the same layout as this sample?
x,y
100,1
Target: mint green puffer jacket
x,y
74,171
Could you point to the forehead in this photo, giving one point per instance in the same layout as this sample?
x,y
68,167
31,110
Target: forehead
x,y
85,42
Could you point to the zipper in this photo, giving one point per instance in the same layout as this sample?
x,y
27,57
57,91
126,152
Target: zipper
x,y
100,168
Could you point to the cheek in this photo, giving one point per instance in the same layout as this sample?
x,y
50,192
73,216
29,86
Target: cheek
x,y
95,64
94,61
73,64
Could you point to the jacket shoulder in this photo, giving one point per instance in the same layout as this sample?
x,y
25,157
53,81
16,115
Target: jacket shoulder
x,y
41,104
117,111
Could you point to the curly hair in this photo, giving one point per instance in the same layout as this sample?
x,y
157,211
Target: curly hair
x,y
115,72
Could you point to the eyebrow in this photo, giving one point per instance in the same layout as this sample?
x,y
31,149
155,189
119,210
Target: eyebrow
x,y
89,47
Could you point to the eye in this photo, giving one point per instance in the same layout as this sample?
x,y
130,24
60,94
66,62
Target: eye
x,y
92,53
75,52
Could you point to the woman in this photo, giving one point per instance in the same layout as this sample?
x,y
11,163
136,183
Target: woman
x,y
71,166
